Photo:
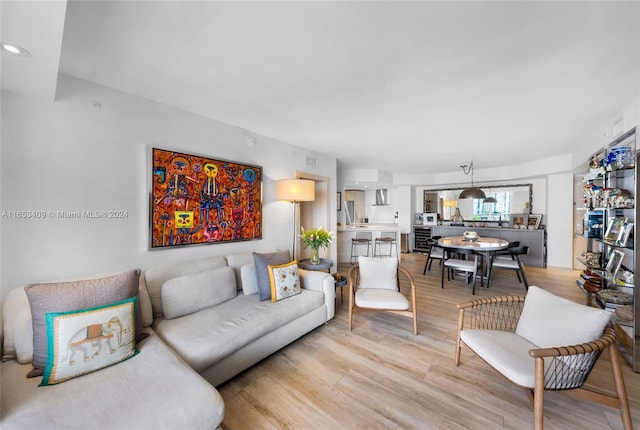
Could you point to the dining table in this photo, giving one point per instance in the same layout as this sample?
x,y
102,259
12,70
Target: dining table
x,y
484,246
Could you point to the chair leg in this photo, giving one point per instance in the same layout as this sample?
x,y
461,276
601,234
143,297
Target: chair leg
x,y
426,265
538,395
458,341
351,299
415,315
524,277
621,391
443,268
490,271
475,275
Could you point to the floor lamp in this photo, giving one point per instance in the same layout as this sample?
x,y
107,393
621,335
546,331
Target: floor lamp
x,y
294,191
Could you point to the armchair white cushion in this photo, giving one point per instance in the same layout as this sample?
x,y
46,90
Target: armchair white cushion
x,y
548,320
373,298
379,273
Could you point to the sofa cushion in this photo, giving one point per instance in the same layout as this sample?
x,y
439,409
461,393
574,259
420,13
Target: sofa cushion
x,y
544,312
147,392
69,296
86,340
380,273
262,274
156,277
249,279
205,337
190,293
17,327
284,281
236,261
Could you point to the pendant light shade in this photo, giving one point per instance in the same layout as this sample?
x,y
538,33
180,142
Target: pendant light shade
x,y
490,199
471,192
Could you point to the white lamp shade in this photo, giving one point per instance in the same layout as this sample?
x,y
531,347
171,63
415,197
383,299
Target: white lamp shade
x,y
296,190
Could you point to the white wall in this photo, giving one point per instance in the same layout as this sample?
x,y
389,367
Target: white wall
x,y
560,220
64,156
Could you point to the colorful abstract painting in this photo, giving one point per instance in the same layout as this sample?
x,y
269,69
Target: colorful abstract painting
x,y
199,200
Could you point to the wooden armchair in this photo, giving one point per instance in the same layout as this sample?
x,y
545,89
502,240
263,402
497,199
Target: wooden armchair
x,y
379,284
516,336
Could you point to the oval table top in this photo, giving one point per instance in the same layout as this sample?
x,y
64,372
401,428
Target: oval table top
x,y
481,244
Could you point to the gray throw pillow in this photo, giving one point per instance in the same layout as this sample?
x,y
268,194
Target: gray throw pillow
x,y
71,296
262,271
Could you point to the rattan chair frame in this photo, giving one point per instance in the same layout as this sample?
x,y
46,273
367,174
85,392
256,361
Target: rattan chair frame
x,y
570,366
406,286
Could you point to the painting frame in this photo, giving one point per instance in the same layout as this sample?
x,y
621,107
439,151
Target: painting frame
x,y
430,218
518,220
625,233
339,201
614,226
614,263
202,200
534,220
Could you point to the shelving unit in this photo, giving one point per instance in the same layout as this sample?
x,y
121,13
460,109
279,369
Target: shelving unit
x,y
610,188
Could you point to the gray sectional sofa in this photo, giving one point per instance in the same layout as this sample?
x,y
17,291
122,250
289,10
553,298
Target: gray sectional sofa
x,y
205,324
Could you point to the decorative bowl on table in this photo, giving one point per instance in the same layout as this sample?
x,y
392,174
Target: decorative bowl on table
x,y
471,236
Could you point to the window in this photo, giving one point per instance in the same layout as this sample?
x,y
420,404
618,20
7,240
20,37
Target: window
x,y
493,211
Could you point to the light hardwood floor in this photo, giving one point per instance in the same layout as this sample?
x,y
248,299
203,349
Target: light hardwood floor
x,y
381,376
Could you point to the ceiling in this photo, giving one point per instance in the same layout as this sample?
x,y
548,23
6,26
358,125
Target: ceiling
x,y
406,87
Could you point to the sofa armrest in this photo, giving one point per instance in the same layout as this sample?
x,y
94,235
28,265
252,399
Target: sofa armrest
x,y
322,282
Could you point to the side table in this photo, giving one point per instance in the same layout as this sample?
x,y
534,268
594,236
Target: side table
x,y
340,284
325,264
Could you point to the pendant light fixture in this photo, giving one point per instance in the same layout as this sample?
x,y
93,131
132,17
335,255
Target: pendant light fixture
x,y
471,192
490,199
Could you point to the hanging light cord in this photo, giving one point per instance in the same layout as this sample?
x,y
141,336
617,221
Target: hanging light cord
x,y
467,171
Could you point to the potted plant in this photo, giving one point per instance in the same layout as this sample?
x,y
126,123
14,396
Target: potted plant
x,y
315,239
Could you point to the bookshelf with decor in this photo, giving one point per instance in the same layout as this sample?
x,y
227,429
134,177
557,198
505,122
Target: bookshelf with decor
x,y
608,281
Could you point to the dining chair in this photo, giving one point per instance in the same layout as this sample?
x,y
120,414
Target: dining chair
x,y
453,262
510,264
362,238
435,253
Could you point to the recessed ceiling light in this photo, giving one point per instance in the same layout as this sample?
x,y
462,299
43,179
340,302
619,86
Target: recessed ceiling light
x,y
15,49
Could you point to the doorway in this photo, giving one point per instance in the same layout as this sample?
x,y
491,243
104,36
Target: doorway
x,y
316,214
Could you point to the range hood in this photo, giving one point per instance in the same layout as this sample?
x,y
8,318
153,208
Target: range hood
x,y
381,197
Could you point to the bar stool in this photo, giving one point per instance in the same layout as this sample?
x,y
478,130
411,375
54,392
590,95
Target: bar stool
x,y
362,238
386,238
